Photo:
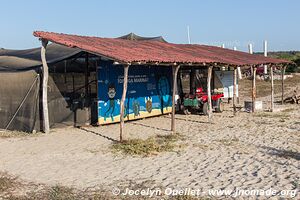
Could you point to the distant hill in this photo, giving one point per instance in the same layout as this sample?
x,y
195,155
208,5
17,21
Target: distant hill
x,y
288,55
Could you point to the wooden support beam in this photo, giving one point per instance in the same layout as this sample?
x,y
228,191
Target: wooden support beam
x,y
86,75
192,81
282,83
73,97
125,82
87,90
175,70
209,73
240,77
253,89
272,88
46,126
234,90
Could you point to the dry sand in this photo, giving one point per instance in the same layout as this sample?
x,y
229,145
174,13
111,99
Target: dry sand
x,y
246,151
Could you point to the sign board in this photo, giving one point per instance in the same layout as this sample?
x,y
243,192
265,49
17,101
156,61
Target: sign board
x,y
148,92
224,82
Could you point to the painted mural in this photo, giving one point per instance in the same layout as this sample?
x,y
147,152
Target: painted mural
x,y
148,92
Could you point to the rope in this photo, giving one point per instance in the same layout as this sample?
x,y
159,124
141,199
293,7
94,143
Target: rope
x,y
22,103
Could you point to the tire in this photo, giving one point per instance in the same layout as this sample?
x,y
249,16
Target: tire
x,y
205,108
220,106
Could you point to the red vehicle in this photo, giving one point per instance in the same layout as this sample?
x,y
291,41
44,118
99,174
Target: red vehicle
x,y
260,72
199,102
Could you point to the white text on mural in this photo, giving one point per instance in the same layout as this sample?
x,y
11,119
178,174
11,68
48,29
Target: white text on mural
x,y
134,79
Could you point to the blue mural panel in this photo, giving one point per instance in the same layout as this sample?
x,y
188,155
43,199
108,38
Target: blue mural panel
x,y
148,92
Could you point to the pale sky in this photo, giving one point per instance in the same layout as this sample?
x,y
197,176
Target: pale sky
x,y
214,22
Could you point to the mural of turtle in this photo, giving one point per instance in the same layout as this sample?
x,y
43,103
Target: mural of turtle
x,y
148,102
136,108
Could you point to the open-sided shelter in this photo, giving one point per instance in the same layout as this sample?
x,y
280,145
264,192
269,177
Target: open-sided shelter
x,y
140,56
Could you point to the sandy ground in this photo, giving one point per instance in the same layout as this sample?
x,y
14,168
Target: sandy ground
x,y
245,151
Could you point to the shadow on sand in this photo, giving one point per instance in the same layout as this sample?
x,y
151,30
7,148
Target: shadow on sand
x,y
282,153
99,134
190,120
145,125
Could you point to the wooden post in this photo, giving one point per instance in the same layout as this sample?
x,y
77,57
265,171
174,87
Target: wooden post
x,y
254,89
87,91
282,83
272,88
125,82
45,87
73,97
192,81
266,55
175,70
234,90
86,75
209,91
239,72
250,48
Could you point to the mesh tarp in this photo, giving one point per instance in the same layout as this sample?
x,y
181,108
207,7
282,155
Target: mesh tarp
x,y
132,36
22,60
19,101
20,90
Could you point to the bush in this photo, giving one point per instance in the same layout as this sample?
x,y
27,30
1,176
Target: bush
x,y
292,69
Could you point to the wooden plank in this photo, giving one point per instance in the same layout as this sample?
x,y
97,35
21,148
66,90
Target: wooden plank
x,y
45,87
253,89
175,70
234,90
209,73
272,88
125,83
282,83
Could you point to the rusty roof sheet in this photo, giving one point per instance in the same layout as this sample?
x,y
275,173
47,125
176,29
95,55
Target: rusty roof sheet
x,y
126,51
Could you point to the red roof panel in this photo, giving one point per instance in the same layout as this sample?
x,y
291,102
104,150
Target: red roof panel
x,y
155,51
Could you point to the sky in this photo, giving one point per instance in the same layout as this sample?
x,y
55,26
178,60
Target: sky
x,y
214,22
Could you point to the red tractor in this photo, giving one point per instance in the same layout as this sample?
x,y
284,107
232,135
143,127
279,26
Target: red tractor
x,y
199,102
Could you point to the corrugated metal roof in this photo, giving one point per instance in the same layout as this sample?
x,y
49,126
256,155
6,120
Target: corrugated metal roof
x,y
154,51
